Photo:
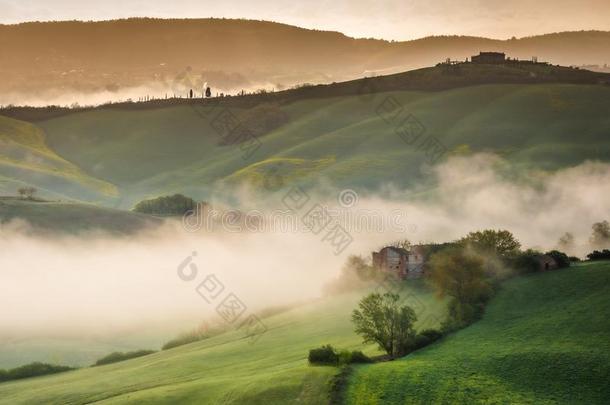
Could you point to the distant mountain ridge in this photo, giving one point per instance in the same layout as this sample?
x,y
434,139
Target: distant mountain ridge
x,y
170,56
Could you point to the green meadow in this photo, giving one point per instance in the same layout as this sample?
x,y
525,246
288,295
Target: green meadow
x,y
117,157
543,339
68,217
228,368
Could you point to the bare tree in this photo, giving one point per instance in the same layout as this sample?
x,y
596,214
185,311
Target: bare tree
x,y
29,192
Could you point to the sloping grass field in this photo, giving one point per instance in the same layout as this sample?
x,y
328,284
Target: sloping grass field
x,y
544,339
348,140
25,158
227,368
64,217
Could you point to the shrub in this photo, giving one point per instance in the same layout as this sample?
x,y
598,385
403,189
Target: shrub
x,y
327,355
426,337
574,259
597,255
560,258
344,357
32,370
176,204
526,262
323,355
182,340
358,357
432,334
186,338
119,356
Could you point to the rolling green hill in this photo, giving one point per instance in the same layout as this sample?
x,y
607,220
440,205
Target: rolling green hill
x,y
545,339
63,217
25,158
228,368
343,139
537,116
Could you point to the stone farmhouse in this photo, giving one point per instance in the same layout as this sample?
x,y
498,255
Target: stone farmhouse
x,y
400,262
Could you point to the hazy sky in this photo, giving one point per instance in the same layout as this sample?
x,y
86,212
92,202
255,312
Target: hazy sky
x,y
389,19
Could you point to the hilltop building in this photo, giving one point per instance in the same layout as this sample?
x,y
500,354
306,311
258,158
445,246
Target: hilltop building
x,y
489,58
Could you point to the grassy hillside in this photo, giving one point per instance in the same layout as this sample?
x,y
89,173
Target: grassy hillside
x,y
539,117
25,158
224,369
71,217
545,339
344,139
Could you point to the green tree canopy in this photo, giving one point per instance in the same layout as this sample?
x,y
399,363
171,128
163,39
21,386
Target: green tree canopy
x,y
381,319
459,274
499,242
176,204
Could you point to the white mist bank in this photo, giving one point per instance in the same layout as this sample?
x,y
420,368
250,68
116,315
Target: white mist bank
x,y
99,284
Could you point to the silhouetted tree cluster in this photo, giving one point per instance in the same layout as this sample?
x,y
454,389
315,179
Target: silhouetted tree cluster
x,y
599,255
27,192
176,204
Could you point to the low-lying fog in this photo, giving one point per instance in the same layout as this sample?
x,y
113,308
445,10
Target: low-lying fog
x,y
63,97
70,286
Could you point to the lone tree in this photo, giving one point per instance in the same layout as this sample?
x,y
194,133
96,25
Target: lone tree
x,y
27,192
208,92
381,319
